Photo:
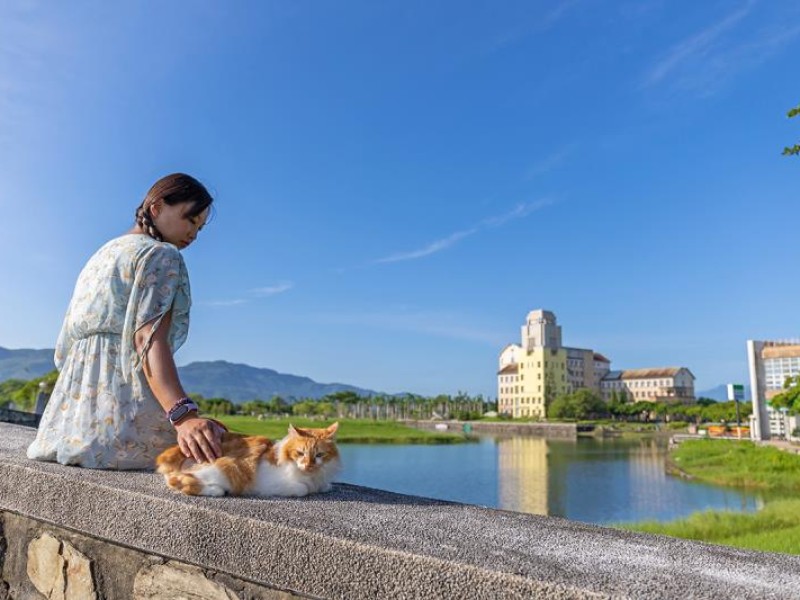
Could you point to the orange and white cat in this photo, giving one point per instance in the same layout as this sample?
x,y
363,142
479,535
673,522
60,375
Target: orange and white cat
x,y
304,462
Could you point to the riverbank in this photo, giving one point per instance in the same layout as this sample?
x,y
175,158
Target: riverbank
x,y
775,528
351,431
736,463
742,464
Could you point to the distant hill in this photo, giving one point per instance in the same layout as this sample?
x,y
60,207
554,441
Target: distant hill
x,y
25,363
239,382
720,393
215,379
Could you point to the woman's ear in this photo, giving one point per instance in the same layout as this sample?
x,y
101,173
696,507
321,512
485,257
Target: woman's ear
x,y
155,208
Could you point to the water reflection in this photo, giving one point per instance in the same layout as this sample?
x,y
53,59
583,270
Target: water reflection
x,y
592,480
522,475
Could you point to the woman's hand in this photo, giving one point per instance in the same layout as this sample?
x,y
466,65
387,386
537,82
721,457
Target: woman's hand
x,y
200,439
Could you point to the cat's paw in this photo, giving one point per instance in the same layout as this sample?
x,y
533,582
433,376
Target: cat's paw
x,y
326,488
211,489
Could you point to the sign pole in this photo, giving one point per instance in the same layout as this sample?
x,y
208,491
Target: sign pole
x,y
736,393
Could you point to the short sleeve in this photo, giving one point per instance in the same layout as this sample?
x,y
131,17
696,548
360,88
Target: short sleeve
x,y
160,283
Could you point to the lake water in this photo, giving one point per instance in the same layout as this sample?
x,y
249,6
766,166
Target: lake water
x,y
593,480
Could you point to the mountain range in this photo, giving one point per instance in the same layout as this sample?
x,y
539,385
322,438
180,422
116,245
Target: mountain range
x,y
212,379
236,382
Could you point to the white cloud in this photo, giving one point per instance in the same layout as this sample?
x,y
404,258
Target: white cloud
x,y
694,47
428,323
550,162
272,290
431,248
520,211
222,303
261,292
705,61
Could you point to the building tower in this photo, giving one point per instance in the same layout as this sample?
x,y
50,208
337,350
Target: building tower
x,y
541,331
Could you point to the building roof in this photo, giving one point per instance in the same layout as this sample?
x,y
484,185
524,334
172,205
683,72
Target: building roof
x,y
652,373
510,369
612,376
507,346
600,358
788,351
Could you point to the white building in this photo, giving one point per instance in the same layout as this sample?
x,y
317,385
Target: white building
x,y
668,384
771,363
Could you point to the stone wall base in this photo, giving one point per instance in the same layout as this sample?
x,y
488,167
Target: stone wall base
x,y
38,560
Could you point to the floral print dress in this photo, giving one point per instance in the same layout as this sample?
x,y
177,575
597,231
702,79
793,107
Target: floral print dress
x,y
102,413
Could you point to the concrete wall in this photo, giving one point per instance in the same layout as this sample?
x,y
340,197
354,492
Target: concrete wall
x,y
18,417
545,430
41,560
351,543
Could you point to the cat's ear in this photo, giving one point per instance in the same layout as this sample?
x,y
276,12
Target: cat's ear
x,y
297,432
331,431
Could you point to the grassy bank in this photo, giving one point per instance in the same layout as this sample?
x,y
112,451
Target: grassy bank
x,y
352,431
776,528
739,464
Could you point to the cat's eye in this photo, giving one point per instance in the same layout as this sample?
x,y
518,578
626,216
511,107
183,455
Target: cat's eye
x,y
320,454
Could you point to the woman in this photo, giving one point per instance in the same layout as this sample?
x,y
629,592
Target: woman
x,y
118,401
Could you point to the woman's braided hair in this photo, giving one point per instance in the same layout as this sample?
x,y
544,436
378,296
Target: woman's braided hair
x,y
177,188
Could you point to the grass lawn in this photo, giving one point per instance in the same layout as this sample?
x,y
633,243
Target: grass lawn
x,y
740,464
776,528
353,431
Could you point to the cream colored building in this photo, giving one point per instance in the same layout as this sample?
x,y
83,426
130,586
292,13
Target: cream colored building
x,y
533,373
668,384
586,369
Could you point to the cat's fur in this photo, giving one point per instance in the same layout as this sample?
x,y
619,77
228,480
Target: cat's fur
x,y
304,462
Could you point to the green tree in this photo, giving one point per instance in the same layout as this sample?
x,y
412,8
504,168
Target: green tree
x,y
278,405
789,398
8,389
254,407
792,150
325,409
24,396
582,404
305,408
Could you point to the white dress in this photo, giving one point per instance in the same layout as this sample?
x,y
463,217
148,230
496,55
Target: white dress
x,y
102,413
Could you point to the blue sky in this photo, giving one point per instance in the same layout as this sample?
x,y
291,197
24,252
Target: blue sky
x,y
398,183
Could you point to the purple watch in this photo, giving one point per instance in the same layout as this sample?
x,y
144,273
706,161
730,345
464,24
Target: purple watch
x,y
180,409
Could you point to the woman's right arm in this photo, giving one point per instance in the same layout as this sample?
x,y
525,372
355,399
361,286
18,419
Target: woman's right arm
x,y
198,438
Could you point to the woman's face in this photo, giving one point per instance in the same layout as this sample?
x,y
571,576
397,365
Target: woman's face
x,y
175,227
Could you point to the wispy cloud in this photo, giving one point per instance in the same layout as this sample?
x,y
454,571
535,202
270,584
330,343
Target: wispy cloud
x,y
259,292
222,303
550,162
542,21
431,248
704,61
272,290
34,56
438,324
520,211
694,47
